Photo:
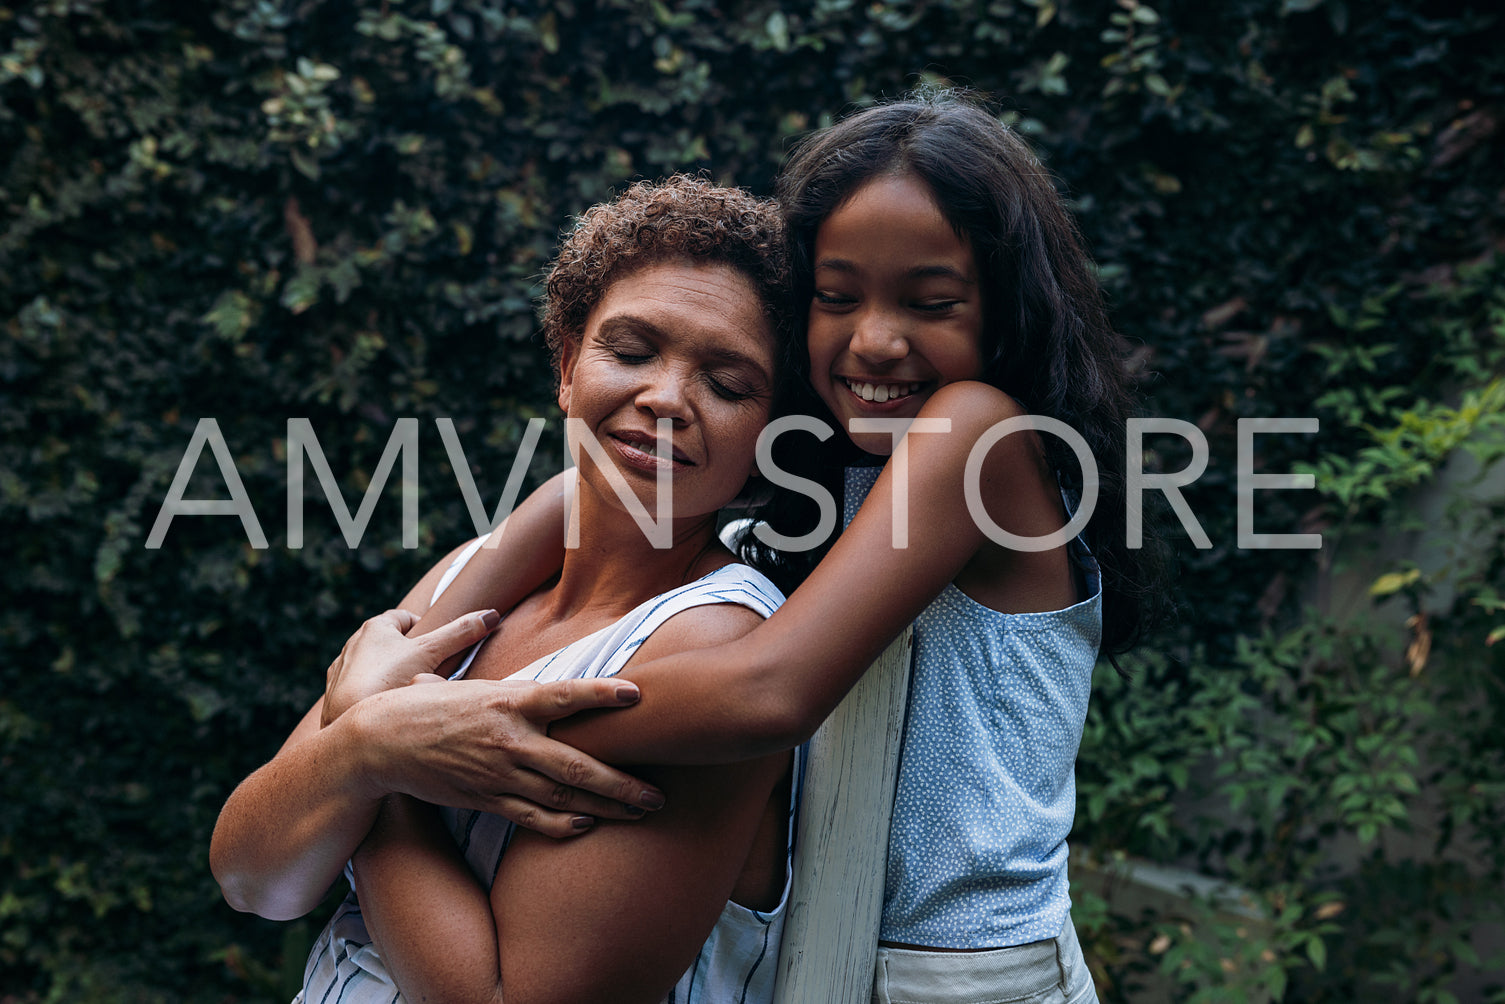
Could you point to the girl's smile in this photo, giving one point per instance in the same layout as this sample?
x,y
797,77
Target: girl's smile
x,y
897,311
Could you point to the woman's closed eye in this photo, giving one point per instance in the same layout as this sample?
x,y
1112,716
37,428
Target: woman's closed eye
x,y
730,388
826,298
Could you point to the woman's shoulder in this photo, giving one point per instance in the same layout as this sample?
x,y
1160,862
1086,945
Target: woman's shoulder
x,y
736,583
719,607
439,577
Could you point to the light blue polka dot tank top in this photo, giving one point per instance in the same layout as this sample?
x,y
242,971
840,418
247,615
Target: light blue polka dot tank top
x,y
987,787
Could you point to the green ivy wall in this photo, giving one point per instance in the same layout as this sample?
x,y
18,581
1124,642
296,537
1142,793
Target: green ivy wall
x,y
251,210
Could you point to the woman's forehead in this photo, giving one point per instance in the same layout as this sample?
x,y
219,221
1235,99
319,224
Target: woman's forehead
x,y
713,307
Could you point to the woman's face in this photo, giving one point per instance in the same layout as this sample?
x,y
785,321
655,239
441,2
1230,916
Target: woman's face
x,y
680,341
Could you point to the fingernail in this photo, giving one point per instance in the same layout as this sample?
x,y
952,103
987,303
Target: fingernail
x,y
635,811
628,693
491,619
651,799
582,822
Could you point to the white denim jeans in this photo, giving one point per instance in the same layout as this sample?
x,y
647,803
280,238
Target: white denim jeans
x,y
1043,972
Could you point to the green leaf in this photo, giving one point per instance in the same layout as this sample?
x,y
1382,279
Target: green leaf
x,y
777,27
232,315
1393,582
1316,950
305,163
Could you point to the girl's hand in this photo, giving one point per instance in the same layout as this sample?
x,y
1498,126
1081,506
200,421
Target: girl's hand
x,y
484,744
381,656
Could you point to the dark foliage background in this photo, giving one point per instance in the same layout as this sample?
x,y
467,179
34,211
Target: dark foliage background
x,y
250,210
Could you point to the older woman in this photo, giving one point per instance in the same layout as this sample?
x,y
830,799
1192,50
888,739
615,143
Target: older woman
x,y
665,309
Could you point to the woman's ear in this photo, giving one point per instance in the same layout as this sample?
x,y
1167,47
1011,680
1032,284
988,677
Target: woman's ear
x,y
568,353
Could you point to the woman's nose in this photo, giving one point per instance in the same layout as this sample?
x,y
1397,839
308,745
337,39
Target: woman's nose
x,y
665,395
879,337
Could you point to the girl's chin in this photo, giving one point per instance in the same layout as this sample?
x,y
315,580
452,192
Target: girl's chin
x,y
877,445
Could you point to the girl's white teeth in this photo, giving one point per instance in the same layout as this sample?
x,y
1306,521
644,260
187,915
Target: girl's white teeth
x,y
880,392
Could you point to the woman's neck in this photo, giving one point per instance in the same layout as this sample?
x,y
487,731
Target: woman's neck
x,y
616,566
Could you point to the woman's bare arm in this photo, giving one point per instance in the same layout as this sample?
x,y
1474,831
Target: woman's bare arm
x,y
651,890
286,832
771,689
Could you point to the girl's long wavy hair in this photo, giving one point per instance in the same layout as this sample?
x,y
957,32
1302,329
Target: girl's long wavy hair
x,y
1046,338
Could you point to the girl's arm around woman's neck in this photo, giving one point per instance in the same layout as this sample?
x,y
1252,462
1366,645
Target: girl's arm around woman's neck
x,y
771,689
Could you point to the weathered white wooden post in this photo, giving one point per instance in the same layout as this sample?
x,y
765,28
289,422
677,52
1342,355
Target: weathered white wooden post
x,y
841,840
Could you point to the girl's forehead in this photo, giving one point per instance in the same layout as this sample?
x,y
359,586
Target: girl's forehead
x,y
898,183
893,219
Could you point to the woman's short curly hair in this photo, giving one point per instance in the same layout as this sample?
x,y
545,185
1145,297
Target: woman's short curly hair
x,y
681,218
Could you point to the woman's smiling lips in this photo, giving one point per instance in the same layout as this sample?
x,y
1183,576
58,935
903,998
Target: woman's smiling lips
x,y
640,450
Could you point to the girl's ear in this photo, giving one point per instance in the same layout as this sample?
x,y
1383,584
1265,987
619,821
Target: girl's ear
x,y
569,352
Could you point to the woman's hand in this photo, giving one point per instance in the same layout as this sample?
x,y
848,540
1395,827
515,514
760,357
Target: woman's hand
x,y
476,744
288,829
381,656
484,744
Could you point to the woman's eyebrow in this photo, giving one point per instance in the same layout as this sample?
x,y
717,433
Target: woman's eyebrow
x,y
633,324
628,324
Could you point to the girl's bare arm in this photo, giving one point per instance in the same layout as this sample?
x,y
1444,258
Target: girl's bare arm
x,y
525,552
773,688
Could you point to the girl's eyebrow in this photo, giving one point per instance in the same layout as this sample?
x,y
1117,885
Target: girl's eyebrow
x,y
918,272
941,272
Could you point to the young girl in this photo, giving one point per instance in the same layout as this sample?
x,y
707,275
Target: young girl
x,y
945,281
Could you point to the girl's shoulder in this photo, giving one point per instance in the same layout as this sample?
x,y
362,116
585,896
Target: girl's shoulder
x,y
995,453
964,399
962,396
988,435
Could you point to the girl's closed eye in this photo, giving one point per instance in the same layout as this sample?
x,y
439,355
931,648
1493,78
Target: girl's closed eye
x,y
827,298
936,306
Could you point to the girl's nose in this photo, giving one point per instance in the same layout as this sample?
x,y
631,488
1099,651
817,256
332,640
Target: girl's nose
x,y
879,337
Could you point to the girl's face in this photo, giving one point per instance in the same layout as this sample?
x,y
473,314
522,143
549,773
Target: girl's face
x,y
678,341
897,311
